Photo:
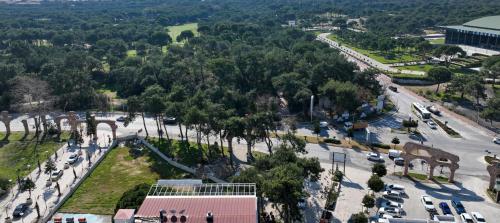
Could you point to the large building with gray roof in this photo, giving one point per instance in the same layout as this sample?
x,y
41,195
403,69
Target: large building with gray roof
x,y
482,33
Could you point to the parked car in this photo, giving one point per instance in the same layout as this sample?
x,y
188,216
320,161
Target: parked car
x,y
392,194
466,218
73,158
395,187
427,202
401,162
323,124
374,156
431,124
496,140
56,174
20,210
445,208
394,153
393,88
120,119
477,217
459,207
395,212
169,121
391,204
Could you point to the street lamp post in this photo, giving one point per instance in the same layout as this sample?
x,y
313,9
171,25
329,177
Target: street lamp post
x,y
311,107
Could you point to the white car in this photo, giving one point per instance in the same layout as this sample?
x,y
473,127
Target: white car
x,y
466,218
323,124
374,156
56,174
431,124
477,217
392,194
496,140
395,187
395,212
73,158
391,204
427,202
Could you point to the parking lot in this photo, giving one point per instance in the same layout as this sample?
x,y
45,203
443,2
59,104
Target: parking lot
x,y
470,190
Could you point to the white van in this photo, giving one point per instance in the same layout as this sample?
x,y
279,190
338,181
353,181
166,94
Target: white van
x,y
394,153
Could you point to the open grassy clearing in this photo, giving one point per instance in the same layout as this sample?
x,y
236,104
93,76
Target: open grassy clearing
x,y
403,55
437,41
119,172
131,53
174,31
17,152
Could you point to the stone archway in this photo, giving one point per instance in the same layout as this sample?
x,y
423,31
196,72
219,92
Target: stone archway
x,y
72,120
434,158
5,118
494,171
111,124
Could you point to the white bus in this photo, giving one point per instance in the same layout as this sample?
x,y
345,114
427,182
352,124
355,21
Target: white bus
x,y
421,111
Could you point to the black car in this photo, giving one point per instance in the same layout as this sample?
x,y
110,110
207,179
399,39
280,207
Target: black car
x,y
120,119
20,210
169,120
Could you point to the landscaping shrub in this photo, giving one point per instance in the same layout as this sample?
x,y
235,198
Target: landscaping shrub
x,y
381,145
332,140
133,198
410,123
338,175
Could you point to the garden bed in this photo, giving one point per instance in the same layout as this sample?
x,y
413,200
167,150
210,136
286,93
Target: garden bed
x,y
446,128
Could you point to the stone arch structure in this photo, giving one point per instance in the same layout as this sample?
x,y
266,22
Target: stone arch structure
x,y
434,157
494,171
72,120
111,124
5,118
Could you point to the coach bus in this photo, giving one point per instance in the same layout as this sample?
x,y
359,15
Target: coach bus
x,y
421,111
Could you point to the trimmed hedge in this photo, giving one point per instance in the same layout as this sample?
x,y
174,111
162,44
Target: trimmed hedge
x,y
381,145
332,140
446,128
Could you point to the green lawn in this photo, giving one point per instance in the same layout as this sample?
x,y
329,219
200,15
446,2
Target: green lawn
x,y
16,153
174,31
424,68
118,172
131,53
423,177
437,41
187,155
403,56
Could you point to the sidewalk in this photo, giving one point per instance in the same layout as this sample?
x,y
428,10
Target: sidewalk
x,y
47,197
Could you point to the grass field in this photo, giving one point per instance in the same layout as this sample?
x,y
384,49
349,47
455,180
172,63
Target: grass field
x,y
437,41
118,172
424,68
16,153
403,56
131,53
174,31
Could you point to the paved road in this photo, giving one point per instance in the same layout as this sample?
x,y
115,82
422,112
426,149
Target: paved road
x,y
470,148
